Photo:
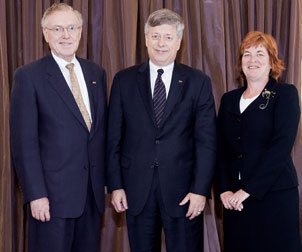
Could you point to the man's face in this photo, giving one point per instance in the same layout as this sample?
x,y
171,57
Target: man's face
x,y
162,43
64,43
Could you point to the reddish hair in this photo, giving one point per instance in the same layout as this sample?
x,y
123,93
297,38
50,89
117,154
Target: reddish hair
x,y
256,38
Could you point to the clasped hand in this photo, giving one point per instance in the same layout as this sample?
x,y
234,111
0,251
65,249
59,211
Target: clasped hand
x,y
233,201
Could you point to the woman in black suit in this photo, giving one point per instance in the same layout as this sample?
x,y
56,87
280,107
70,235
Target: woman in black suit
x,y
257,180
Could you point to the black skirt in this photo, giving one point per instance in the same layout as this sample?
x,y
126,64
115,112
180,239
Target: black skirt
x,y
267,225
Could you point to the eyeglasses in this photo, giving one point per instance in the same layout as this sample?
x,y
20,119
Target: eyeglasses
x,y
59,30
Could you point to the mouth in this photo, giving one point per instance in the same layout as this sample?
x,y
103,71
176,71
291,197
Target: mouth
x,y
252,67
160,51
65,43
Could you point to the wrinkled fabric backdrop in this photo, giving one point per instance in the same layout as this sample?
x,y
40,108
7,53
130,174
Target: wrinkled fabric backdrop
x,y
113,38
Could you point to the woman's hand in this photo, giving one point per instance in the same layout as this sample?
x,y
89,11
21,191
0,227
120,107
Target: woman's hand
x,y
225,198
237,199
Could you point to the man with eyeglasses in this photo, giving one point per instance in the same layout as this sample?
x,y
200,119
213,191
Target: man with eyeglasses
x,y
57,121
161,143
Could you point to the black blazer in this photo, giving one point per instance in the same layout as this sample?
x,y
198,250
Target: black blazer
x,y
183,148
258,142
52,149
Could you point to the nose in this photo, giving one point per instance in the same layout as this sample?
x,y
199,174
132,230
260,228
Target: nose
x,y
65,33
253,58
161,41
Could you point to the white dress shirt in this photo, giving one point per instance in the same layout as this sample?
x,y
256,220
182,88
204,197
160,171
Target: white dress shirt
x,y
79,73
166,76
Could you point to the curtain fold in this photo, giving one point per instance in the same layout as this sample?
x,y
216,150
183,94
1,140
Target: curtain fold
x,y
113,37
119,25
5,171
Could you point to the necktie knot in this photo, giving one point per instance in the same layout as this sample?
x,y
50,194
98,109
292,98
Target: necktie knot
x,y
70,66
160,72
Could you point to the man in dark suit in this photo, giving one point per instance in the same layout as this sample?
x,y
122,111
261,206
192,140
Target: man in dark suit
x,y
58,121
161,143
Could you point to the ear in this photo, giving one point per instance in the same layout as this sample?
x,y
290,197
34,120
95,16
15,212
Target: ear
x,y
179,43
146,39
80,32
45,33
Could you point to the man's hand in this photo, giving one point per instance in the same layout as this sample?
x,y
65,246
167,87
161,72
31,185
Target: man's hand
x,y
40,209
237,199
197,203
119,200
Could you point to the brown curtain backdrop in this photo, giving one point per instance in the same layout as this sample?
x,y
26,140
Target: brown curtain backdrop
x,y
113,37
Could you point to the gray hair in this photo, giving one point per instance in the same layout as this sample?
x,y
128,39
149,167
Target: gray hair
x,y
59,7
165,16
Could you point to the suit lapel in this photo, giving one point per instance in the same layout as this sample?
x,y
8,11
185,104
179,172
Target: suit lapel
x,y
234,106
177,83
57,80
144,87
255,104
260,99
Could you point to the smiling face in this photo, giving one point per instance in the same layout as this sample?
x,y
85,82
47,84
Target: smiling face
x,y
63,45
162,43
256,63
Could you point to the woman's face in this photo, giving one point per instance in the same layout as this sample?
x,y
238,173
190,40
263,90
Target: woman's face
x,y
256,63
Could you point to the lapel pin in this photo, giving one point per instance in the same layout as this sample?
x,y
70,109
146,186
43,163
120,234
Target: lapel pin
x,y
180,81
93,82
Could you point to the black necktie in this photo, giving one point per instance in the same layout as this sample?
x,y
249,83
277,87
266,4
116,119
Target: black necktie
x,y
159,97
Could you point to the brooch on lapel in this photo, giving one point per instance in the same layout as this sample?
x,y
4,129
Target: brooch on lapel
x,y
180,81
93,82
267,95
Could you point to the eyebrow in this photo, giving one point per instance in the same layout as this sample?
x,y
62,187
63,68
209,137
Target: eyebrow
x,y
161,33
56,25
257,51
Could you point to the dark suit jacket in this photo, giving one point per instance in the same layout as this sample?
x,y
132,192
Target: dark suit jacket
x,y
258,142
182,148
52,149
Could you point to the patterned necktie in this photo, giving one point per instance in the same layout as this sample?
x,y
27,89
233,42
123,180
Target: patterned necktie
x,y
76,91
159,97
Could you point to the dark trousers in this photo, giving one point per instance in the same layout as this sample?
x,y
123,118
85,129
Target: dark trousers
x,y
144,230
80,234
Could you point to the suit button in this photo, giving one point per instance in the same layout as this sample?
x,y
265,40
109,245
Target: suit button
x,y
238,138
157,141
238,119
240,156
155,164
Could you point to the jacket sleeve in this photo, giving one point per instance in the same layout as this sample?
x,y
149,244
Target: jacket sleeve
x,y
273,161
204,140
222,183
24,135
114,138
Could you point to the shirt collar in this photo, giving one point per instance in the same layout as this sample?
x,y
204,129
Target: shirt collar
x,y
154,68
62,63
